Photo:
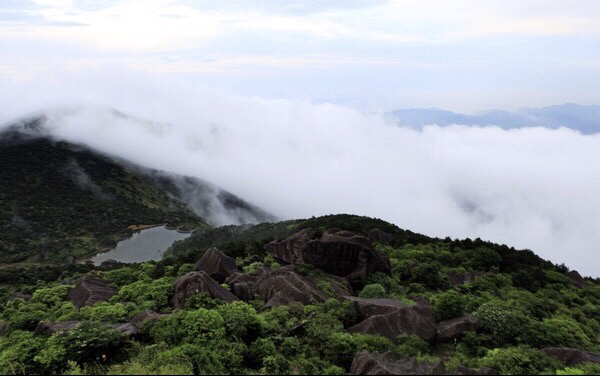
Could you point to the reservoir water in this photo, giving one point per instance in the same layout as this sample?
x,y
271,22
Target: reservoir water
x,y
145,245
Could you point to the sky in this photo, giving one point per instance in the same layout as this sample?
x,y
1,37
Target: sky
x,y
457,54
284,105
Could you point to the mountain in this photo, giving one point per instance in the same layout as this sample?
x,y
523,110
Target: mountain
x,y
585,119
61,200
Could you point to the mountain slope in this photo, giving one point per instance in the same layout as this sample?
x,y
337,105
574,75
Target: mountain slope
x,y
58,199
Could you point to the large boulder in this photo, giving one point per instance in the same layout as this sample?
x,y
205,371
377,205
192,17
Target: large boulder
x,y
216,264
283,286
380,236
577,279
405,319
193,283
90,290
367,307
457,279
19,295
336,252
242,285
449,330
372,363
3,327
572,357
145,317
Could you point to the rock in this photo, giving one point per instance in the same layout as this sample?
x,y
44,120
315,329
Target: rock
x,y
90,290
19,295
409,319
216,264
43,328
125,328
242,285
110,263
3,327
372,363
196,282
144,317
460,370
577,279
369,307
457,279
571,357
380,236
449,330
336,252
283,286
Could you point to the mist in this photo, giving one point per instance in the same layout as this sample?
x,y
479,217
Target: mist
x,y
533,188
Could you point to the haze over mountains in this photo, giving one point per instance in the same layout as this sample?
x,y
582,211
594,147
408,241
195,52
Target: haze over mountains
x,y
585,119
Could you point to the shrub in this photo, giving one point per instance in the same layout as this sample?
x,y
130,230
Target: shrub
x,y
197,326
448,305
241,321
374,290
558,331
520,360
502,322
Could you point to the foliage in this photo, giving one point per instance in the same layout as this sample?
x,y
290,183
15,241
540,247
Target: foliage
x,y
374,290
448,305
519,361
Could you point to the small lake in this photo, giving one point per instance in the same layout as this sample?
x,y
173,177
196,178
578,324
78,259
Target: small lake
x,y
145,245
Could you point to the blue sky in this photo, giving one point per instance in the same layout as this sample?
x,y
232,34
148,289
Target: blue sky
x,y
456,54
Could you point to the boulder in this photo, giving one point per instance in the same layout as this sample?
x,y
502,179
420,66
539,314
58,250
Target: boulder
x,y
449,330
110,263
144,317
457,279
242,285
196,282
369,307
216,264
283,286
572,357
90,290
372,363
408,319
577,279
3,327
48,328
461,370
125,328
380,236
336,252
19,295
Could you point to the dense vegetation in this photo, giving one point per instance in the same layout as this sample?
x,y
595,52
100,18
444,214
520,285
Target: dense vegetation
x,y
522,302
58,200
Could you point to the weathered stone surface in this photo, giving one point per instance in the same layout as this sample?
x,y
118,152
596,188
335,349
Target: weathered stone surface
x,y
380,236
577,279
372,363
572,357
457,279
413,319
196,282
110,263
284,285
216,264
460,370
242,285
90,290
3,327
144,317
47,328
336,252
125,328
370,307
19,295
455,328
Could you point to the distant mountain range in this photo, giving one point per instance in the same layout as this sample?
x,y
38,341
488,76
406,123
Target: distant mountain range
x,y
585,119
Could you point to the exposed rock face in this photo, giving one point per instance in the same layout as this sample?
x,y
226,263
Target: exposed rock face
x,y
380,236
242,285
47,328
410,319
372,363
19,295
216,264
145,317
455,328
110,263
457,279
572,357
336,252
196,282
370,307
577,279
284,285
3,327
90,290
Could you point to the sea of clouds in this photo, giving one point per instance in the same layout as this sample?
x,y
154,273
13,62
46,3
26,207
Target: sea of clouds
x,y
530,188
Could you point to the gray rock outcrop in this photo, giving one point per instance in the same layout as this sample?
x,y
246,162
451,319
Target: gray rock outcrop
x,y
216,264
242,285
90,290
571,357
194,283
372,363
449,330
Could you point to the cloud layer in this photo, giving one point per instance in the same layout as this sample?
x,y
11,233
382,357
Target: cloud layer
x,y
530,188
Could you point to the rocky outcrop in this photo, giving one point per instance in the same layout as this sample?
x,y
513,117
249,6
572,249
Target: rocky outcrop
x,y
3,327
577,279
370,307
110,263
48,328
372,363
242,285
19,295
449,330
145,317
380,236
571,357
193,283
216,264
336,252
283,286
403,319
90,290
457,279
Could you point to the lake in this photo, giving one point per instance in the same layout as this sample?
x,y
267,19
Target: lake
x,y
145,245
